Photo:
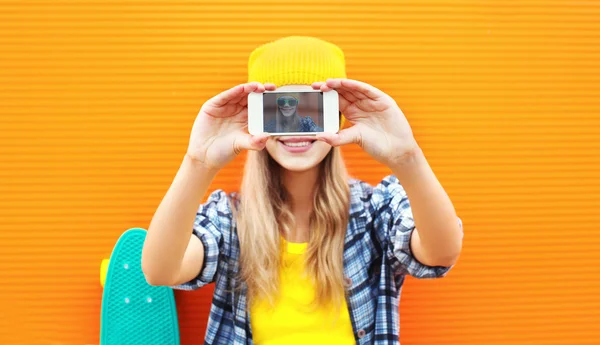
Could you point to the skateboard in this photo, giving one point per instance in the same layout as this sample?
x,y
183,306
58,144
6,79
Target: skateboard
x,y
134,312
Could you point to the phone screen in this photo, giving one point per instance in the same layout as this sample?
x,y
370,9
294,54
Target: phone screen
x,y
288,112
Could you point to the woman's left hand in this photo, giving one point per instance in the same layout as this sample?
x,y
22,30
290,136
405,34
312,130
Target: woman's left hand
x,y
380,128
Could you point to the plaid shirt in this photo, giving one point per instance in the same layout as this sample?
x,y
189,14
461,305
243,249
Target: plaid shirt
x,y
306,125
377,258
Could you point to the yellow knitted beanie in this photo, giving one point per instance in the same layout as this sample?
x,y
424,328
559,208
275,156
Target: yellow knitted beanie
x,y
296,60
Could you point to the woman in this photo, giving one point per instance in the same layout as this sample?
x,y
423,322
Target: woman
x,y
287,118
303,254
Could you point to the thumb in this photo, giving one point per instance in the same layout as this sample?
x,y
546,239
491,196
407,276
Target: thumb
x,y
349,135
245,141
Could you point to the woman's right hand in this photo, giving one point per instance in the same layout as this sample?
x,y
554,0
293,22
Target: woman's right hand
x,y
220,132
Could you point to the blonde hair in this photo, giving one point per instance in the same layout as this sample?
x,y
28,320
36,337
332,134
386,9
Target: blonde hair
x,y
264,216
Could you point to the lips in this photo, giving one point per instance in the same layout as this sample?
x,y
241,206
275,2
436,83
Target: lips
x,y
296,144
295,139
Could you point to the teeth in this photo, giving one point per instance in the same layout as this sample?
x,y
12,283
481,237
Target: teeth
x,y
298,144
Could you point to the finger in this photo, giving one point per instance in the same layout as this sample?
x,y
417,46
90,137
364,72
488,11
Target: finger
x,y
226,96
245,141
248,89
347,95
362,104
236,93
322,86
270,87
243,102
344,103
243,98
317,85
349,135
325,88
356,87
357,96
254,87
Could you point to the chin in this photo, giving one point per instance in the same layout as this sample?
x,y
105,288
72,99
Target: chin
x,y
297,165
298,162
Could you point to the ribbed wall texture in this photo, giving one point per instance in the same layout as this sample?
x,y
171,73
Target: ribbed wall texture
x,y
97,100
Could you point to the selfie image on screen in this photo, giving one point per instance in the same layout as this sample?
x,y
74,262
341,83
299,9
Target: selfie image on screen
x,y
288,112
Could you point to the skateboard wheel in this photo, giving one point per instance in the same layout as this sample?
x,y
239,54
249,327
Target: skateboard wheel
x,y
103,271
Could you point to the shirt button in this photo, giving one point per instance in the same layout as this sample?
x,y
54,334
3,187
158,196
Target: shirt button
x,y
361,333
348,282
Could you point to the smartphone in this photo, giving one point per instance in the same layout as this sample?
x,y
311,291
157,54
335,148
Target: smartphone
x,y
290,112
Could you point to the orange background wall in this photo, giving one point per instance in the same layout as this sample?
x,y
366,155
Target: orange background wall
x,y
97,100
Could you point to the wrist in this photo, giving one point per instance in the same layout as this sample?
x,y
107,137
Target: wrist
x,y
405,154
410,164
199,166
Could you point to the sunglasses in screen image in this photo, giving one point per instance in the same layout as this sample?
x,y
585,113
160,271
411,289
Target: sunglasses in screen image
x,y
290,101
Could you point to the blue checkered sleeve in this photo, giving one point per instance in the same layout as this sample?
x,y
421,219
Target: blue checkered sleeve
x,y
270,127
393,206
308,125
212,219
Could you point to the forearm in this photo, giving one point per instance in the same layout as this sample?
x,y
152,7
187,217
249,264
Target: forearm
x,y
439,235
171,227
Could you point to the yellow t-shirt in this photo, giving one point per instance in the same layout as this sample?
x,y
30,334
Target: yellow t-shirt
x,y
289,323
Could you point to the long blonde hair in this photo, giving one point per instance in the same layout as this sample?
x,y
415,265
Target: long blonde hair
x,y
264,216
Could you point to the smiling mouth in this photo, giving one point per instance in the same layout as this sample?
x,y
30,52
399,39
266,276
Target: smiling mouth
x,y
297,142
300,144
